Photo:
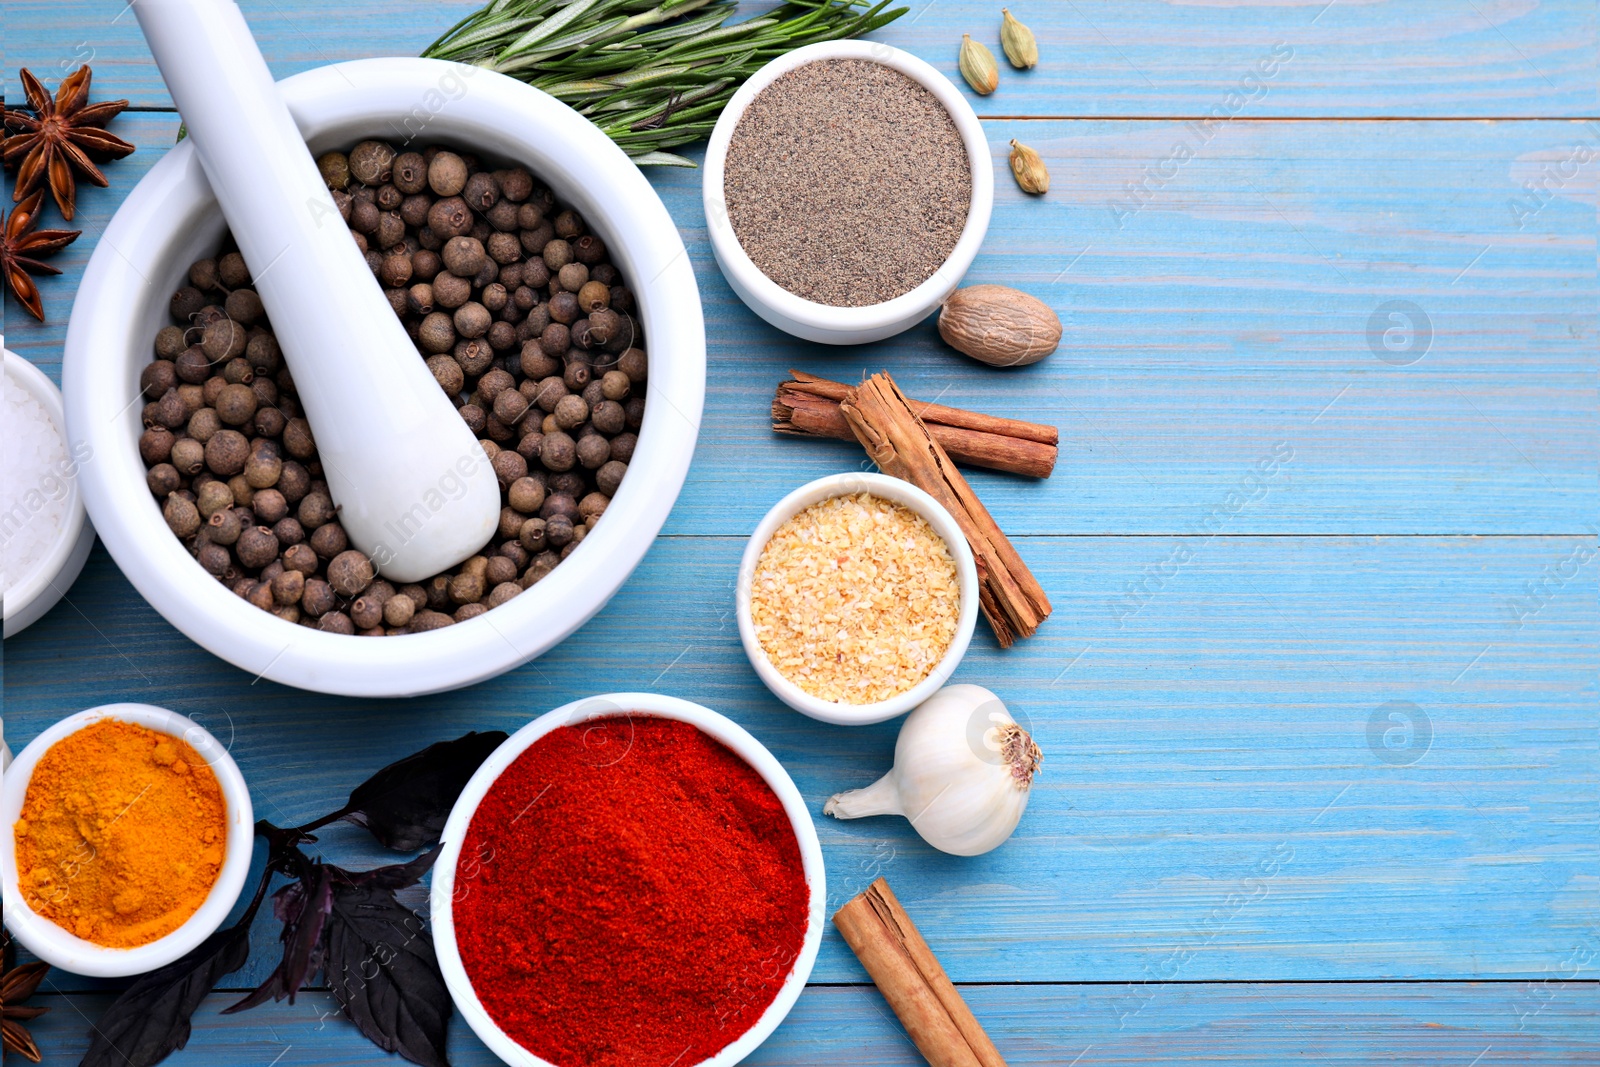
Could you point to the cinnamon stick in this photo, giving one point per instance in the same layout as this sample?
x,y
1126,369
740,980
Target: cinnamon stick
x,y
908,975
809,405
900,444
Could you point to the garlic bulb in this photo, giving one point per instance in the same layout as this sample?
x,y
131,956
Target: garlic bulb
x,y
962,772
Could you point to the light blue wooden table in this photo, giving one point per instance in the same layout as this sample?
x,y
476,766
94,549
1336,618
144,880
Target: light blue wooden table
x,y
1234,853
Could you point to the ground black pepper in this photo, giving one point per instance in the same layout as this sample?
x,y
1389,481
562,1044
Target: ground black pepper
x,y
847,182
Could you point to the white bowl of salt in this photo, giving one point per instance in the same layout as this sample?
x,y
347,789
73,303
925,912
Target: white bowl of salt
x,y
45,534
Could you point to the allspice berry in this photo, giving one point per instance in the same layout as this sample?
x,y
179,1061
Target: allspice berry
x,y
466,588
222,340
236,404
213,559
297,439
268,504
437,333
593,450
472,319
225,453
463,256
449,218
509,467
577,375
232,270
183,518
336,622
350,572
592,296
155,445
328,540
558,531
315,510
398,610
558,452
256,547
162,479
371,162
574,276
262,469
318,597
158,377
526,495
204,424
301,558
447,372
213,497
634,364
450,291
224,528
170,410
288,587
609,417
501,593
609,477
510,406
556,254
244,306
447,174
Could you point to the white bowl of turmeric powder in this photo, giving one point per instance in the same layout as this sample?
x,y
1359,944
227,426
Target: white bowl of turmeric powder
x,y
166,853
857,597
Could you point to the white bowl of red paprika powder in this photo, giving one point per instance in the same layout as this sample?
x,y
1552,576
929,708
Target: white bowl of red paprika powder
x,y
630,879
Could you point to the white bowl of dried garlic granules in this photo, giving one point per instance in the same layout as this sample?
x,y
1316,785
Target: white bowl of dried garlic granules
x,y
857,598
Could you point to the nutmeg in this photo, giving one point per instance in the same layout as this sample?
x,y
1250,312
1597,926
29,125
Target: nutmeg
x,y
1000,326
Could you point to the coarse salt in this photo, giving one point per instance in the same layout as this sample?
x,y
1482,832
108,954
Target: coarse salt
x,y
36,489
855,599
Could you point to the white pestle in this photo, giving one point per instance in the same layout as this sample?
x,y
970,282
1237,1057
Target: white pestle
x,y
414,488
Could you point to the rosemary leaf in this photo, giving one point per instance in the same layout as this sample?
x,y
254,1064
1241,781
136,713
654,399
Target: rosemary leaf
x,y
659,71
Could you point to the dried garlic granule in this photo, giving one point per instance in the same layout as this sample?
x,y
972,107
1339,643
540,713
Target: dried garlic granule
x,y
855,599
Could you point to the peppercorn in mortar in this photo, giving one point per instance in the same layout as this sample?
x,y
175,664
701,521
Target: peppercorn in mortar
x,y
525,324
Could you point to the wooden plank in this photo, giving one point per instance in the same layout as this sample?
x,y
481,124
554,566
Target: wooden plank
x,y
1224,315
1537,1024
1217,800
1483,58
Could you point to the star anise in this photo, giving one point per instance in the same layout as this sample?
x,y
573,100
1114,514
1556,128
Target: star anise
x,y
17,985
59,136
20,243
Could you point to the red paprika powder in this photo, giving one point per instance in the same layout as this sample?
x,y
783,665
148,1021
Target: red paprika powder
x,y
630,895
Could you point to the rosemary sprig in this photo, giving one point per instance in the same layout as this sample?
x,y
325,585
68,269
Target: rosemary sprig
x,y
653,74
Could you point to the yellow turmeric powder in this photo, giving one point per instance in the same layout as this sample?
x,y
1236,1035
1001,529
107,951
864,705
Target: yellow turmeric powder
x,y
122,834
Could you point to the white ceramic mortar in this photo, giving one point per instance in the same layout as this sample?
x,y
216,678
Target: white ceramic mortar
x,y
171,219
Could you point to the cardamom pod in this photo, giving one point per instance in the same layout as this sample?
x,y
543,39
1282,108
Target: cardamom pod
x,y
1029,169
1018,42
978,66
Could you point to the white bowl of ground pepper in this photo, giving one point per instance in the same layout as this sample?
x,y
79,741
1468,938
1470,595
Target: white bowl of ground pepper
x,y
847,188
171,221
857,597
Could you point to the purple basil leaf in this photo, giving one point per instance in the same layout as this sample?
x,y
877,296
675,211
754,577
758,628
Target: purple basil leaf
x,y
395,876
303,908
383,971
151,1018
405,805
